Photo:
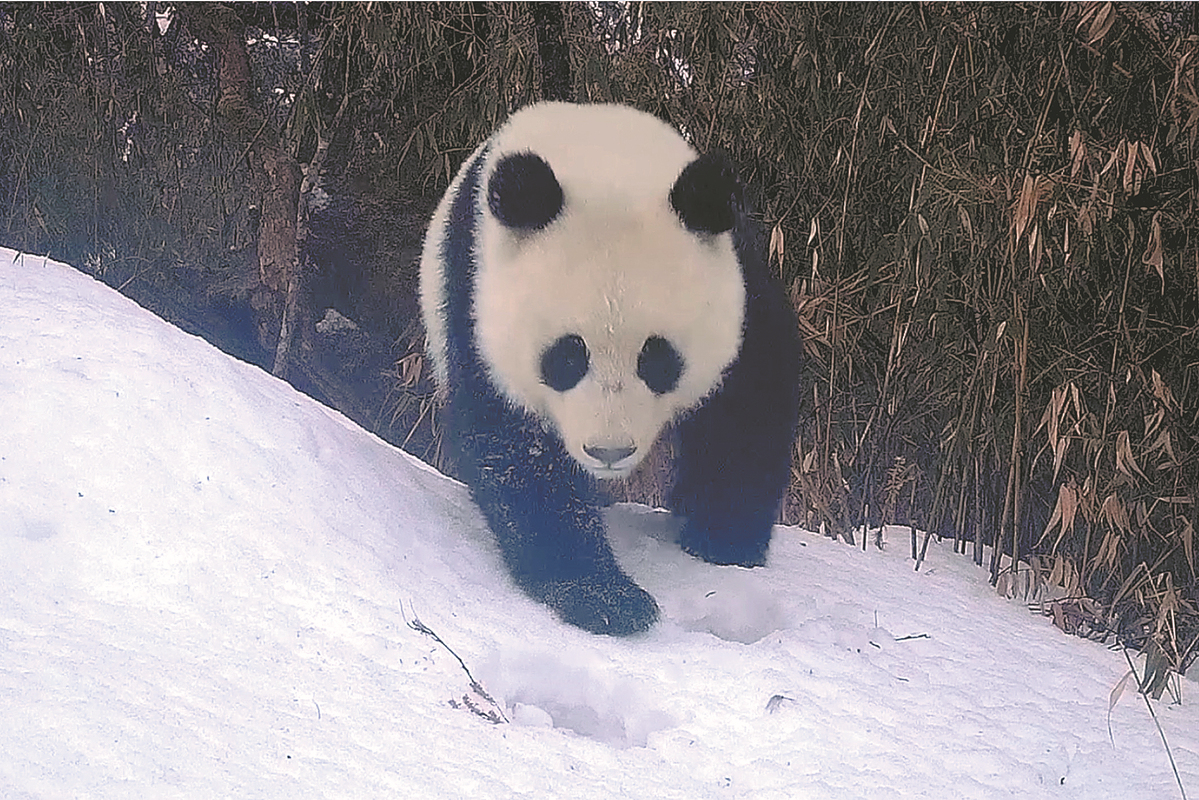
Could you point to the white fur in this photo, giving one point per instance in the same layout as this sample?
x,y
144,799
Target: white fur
x,y
616,267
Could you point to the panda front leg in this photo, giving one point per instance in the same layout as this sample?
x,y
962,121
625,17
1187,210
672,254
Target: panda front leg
x,y
547,519
734,460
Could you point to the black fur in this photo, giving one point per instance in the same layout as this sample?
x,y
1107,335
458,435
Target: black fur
x,y
659,365
523,192
707,195
565,363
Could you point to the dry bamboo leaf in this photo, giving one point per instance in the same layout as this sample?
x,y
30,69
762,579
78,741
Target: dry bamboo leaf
x,y
1068,497
1102,24
1108,550
1061,446
1152,256
1086,501
1152,421
1150,163
1130,167
1049,417
1032,192
1025,205
1063,514
1162,392
1035,248
1124,459
1102,16
812,230
1054,519
1115,514
1164,444
1078,152
1056,402
1109,547
967,225
776,244
1187,534
1117,691
1052,418
1087,10
1086,219
1168,608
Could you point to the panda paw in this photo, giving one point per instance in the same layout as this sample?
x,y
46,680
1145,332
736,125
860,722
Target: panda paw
x,y
725,547
610,605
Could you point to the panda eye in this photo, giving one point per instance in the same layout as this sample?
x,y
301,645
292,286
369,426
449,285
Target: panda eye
x,y
659,365
564,363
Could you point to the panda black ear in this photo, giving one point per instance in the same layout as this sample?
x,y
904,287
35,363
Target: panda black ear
x,y
707,194
523,192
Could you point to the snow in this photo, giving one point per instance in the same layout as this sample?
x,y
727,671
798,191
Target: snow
x,y
207,579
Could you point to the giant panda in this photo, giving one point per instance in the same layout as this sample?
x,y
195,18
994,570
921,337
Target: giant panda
x,y
587,280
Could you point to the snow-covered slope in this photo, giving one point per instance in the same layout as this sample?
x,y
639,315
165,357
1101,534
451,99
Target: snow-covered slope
x,y
206,580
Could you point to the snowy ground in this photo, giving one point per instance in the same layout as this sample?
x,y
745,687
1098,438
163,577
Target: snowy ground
x,y
206,579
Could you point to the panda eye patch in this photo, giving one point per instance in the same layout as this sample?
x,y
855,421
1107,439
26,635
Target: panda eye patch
x,y
564,363
523,193
659,365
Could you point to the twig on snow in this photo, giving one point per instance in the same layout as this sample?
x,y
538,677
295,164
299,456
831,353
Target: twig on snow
x,y
497,715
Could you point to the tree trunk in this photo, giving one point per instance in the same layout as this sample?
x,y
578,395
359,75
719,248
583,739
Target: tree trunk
x,y
554,51
278,298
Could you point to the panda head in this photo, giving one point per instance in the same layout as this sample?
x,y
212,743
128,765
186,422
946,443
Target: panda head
x,y
608,295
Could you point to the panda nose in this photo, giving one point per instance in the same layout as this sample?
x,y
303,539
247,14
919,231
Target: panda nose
x,y
609,455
